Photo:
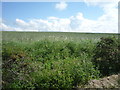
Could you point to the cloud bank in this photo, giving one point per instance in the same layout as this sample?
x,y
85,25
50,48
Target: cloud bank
x,y
107,23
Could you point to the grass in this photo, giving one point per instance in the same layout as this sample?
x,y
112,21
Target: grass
x,y
48,59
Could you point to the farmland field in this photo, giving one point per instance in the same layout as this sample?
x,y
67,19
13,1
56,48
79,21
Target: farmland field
x,y
57,59
54,36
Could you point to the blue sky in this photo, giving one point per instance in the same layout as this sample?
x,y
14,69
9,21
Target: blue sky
x,y
30,10
66,16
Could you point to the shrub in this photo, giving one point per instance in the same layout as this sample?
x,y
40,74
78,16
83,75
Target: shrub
x,y
15,64
47,50
107,55
46,64
59,74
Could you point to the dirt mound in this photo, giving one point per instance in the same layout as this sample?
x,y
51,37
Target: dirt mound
x,y
106,82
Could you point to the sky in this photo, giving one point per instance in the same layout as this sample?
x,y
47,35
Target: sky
x,y
93,17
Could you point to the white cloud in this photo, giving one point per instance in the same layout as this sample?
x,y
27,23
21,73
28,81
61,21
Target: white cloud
x,y
21,22
5,27
107,23
61,6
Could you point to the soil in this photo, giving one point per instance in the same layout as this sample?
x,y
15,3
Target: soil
x,y
106,82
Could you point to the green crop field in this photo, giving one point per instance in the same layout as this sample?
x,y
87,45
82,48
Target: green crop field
x,y
57,59
54,36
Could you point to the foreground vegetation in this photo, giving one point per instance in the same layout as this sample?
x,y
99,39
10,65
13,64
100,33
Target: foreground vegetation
x,y
57,63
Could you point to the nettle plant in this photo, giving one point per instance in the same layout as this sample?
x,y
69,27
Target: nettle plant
x,y
107,55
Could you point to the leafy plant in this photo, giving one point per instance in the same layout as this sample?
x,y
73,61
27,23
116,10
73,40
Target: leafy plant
x,y
107,54
46,64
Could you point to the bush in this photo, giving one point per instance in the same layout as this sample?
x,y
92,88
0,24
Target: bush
x,y
107,55
15,63
46,50
46,64
58,74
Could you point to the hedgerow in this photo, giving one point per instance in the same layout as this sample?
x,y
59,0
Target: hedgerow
x,y
46,64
